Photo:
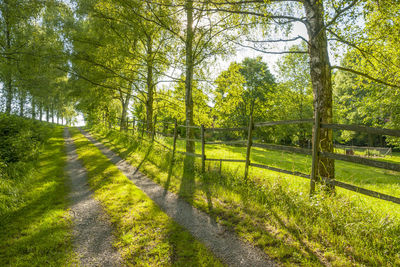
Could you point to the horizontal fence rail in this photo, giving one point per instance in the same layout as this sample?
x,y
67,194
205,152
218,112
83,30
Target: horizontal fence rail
x,y
280,170
192,126
189,154
299,150
361,128
340,184
226,142
164,134
161,144
251,143
361,147
364,161
188,139
226,129
363,191
273,123
228,160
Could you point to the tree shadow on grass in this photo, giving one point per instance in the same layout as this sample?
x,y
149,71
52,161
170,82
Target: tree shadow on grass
x,y
296,235
49,245
106,174
208,193
185,249
33,234
128,151
251,193
154,238
149,149
170,171
294,232
206,186
188,184
187,190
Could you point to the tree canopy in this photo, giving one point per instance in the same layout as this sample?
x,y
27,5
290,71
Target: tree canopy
x,y
113,61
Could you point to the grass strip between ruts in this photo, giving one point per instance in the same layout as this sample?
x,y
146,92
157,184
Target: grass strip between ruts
x,y
145,235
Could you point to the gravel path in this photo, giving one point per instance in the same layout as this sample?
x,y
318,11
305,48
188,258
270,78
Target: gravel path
x,y
92,231
223,244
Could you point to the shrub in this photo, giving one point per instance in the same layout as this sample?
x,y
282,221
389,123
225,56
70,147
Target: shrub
x,y
20,143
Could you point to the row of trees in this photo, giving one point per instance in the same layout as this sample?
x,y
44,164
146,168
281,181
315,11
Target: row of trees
x,y
156,57
32,50
136,45
127,49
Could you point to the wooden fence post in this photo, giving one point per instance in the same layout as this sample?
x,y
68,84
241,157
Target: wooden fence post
x,y
249,144
315,145
203,150
175,137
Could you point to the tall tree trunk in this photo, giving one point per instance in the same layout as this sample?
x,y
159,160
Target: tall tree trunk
x,y
8,76
9,94
320,70
21,107
150,85
52,113
190,147
47,114
187,186
40,111
33,108
22,99
125,103
108,118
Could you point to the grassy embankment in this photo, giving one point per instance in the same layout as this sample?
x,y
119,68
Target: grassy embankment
x,y
274,211
145,235
35,227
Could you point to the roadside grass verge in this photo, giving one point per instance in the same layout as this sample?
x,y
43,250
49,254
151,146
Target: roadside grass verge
x,y
145,235
273,211
35,227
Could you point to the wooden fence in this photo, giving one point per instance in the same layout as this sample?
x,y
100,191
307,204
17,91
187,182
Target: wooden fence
x,y
314,152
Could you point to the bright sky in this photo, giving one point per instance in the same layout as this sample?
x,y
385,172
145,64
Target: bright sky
x,y
80,120
271,59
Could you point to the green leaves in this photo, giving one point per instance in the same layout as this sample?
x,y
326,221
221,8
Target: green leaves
x,y
247,87
35,52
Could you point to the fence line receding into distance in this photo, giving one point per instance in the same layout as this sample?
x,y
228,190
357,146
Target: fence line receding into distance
x,y
314,152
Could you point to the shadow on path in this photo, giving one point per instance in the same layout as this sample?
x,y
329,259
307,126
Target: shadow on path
x,y
223,243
